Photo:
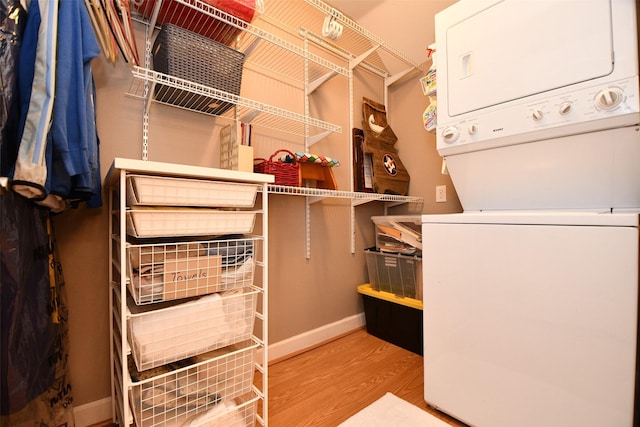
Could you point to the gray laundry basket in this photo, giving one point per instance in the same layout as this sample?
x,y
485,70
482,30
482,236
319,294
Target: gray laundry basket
x,y
190,56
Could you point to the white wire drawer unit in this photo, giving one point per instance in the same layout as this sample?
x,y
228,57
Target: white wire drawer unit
x,y
188,293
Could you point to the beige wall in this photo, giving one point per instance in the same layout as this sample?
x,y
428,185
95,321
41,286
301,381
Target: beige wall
x,y
417,148
304,293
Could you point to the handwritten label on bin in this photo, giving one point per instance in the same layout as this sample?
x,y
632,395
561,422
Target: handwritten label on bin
x,y
191,277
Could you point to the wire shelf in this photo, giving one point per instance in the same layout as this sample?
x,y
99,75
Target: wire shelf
x,y
355,196
355,39
361,36
261,114
269,45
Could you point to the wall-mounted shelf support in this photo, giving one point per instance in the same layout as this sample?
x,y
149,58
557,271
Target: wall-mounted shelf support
x,y
145,132
359,202
310,200
154,18
390,205
315,199
388,81
251,48
250,116
313,139
307,228
311,87
354,62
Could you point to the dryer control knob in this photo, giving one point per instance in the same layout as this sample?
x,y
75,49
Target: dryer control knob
x,y
609,98
565,108
450,134
537,114
473,129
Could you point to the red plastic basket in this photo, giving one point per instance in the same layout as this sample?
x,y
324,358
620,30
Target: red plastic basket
x,y
285,173
173,12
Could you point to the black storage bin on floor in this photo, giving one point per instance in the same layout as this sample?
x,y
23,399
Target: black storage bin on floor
x,y
198,59
393,319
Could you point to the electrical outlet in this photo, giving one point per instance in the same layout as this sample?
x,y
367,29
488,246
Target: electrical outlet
x,y
441,193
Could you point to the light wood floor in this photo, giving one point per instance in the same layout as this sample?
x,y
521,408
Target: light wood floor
x,y
325,386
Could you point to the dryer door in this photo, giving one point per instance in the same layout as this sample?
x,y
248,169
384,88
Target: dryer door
x,y
508,50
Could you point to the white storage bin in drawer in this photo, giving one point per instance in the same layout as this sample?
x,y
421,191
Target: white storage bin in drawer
x,y
163,333
170,191
155,222
191,387
168,271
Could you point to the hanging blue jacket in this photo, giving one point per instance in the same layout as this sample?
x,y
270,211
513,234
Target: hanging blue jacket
x,y
58,157
72,149
36,86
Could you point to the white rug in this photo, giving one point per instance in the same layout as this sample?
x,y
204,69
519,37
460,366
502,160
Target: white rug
x,y
391,411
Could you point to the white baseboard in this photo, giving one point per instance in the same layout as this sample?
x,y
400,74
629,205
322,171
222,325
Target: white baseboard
x,y
315,336
92,412
100,410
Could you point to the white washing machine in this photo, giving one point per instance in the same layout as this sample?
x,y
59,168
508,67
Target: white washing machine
x,y
530,319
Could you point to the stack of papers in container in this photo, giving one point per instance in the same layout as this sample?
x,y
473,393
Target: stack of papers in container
x,y
398,234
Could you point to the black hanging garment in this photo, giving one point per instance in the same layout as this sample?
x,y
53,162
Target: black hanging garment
x,y
12,20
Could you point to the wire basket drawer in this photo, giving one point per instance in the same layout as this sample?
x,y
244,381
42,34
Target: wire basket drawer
x,y
152,222
158,336
239,412
198,59
169,191
168,271
191,387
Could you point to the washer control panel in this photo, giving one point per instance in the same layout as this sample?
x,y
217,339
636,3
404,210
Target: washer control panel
x,y
591,109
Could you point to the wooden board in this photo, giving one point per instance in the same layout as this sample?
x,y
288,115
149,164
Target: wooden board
x,y
389,174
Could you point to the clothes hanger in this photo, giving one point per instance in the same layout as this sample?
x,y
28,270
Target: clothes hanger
x,y
102,29
100,36
125,14
115,26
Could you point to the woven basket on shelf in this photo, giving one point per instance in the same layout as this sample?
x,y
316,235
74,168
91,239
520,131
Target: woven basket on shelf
x,y
285,173
198,59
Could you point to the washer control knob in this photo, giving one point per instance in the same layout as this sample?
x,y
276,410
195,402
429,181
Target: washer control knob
x,y
609,98
537,114
473,129
450,134
565,108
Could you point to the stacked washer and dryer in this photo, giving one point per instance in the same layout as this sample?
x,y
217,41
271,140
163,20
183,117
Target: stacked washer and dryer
x,y
531,294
